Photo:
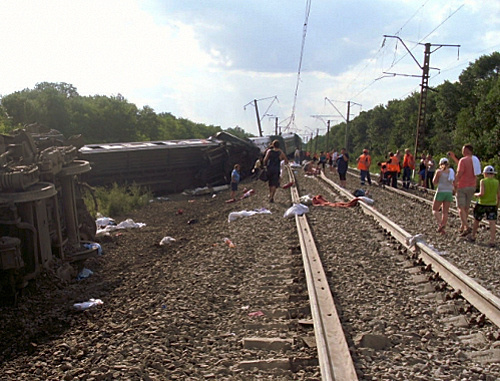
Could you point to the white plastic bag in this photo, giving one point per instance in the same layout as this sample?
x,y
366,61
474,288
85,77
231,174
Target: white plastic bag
x,y
86,305
366,200
246,213
296,210
166,241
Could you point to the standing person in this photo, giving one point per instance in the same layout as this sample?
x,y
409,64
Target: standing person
x,y
322,160
272,161
443,179
489,199
393,169
465,186
408,168
342,165
335,156
257,168
422,170
235,179
296,156
431,169
364,163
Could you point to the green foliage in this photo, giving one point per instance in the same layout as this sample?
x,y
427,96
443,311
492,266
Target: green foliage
x,y
467,111
239,132
117,201
100,119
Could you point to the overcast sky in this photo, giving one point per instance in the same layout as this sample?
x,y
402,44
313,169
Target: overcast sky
x,y
204,60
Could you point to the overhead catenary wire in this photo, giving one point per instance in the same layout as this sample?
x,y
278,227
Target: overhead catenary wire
x,y
304,33
375,56
427,35
416,44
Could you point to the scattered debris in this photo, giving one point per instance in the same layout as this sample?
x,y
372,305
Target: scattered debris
x,y
246,213
166,241
85,273
296,210
86,305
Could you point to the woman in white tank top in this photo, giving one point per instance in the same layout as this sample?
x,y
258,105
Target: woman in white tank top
x,y
443,179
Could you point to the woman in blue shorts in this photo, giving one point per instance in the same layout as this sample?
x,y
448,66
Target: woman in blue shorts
x,y
443,179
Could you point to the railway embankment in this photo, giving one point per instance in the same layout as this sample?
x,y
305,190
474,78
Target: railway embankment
x,y
200,309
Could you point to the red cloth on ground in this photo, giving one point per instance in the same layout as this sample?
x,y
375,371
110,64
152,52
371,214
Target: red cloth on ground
x,y
320,201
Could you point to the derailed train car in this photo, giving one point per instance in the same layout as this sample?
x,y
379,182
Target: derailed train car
x,y
43,220
288,142
168,166
175,165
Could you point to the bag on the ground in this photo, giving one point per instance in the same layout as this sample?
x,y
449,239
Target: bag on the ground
x,y
263,175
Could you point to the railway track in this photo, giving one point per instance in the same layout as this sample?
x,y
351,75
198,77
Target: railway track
x,y
321,298
335,360
425,258
474,293
423,195
200,309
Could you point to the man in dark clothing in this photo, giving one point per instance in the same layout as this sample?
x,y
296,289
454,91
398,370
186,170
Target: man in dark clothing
x,y
342,165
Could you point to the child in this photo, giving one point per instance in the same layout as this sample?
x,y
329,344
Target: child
x,y
489,199
235,179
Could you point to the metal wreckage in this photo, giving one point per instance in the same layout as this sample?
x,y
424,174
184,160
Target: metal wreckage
x,y
44,223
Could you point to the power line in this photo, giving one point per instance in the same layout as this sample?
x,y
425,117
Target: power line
x,y
416,44
304,33
380,49
422,39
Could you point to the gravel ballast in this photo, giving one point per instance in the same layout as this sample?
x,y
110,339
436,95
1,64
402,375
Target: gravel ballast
x,y
188,310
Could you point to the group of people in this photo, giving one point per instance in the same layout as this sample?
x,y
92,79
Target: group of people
x,y
461,184
270,162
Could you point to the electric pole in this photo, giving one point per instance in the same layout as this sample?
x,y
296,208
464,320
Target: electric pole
x,y
258,118
345,119
327,123
254,102
424,86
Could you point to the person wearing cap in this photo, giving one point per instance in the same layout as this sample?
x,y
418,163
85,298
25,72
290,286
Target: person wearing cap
x,y
489,199
443,179
364,163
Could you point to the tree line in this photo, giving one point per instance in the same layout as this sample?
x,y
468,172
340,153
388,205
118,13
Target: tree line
x,y
466,111
100,119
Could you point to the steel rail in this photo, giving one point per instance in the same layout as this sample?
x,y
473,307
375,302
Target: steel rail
x,y
482,299
334,358
421,199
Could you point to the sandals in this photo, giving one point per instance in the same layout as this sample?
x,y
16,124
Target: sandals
x,y
466,232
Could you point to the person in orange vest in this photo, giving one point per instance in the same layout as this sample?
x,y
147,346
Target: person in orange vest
x,y
393,169
383,173
408,167
364,163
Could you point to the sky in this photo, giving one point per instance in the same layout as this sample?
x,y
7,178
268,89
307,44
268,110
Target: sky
x,y
208,60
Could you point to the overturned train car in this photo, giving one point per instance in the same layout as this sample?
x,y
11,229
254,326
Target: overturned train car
x,y
43,220
169,166
288,142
